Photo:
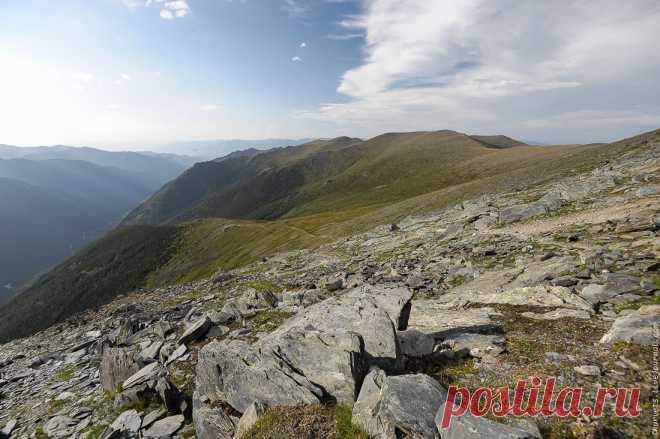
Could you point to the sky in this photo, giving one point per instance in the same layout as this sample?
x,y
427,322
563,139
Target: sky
x,y
125,74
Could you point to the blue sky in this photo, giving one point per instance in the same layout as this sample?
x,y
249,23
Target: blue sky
x,y
133,73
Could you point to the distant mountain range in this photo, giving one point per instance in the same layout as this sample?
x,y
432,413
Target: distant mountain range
x,y
212,149
57,199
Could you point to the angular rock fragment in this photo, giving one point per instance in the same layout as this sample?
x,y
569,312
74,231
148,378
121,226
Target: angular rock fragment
x,y
398,406
239,374
211,422
117,365
165,427
60,427
142,376
196,331
249,418
127,421
636,327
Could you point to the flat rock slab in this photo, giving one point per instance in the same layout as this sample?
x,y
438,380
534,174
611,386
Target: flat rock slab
x,y
165,427
560,313
440,320
636,327
390,407
127,421
539,295
145,374
196,331
60,427
473,427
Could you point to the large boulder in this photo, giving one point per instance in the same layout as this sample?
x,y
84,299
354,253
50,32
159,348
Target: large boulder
x,y
117,364
237,373
332,360
396,406
636,327
373,312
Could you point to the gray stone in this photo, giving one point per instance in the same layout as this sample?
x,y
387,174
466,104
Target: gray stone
x,y
196,331
178,353
332,360
559,313
150,353
128,421
60,427
404,405
467,426
414,343
152,417
9,428
636,327
117,364
147,373
334,284
249,418
165,427
436,318
521,212
540,295
212,422
370,311
239,374
253,299
587,370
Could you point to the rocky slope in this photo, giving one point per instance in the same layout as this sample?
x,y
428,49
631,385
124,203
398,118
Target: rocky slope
x,y
559,279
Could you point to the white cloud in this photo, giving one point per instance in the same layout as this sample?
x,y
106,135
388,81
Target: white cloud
x,y
170,9
210,107
303,45
435,63
174,9
296,59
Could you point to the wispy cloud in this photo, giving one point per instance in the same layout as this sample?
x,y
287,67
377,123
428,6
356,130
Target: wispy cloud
x,y
296,59
439,62
303,45
169,9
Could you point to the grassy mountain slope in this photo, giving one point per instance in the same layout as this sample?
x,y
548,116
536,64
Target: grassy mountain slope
x,y
382,180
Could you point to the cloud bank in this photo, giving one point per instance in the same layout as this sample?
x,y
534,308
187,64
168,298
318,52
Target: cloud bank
x,y
502,66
